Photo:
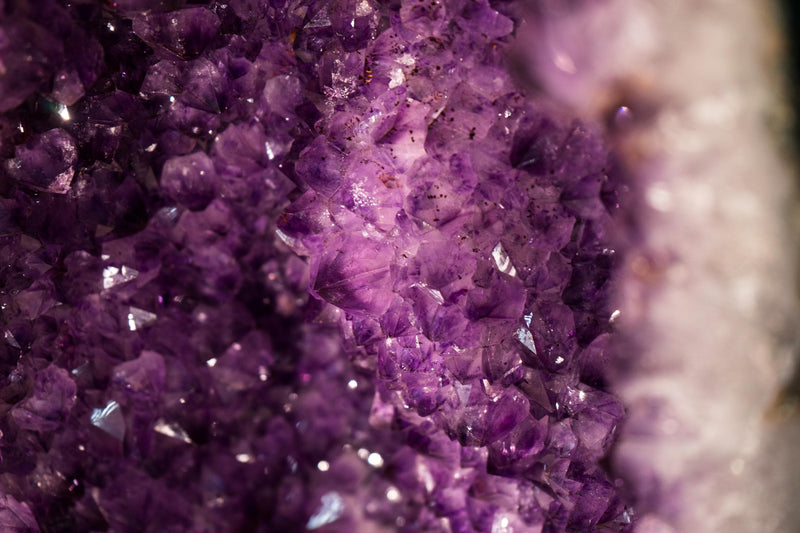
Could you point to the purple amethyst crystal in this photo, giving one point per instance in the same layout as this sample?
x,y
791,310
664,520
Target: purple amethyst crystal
x,y
183,32
16,516
46,163
304,266
50,403
190,180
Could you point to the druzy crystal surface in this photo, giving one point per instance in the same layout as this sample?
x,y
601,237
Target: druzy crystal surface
x,y
286,266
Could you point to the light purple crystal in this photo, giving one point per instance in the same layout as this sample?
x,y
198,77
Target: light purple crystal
x,y
16,516
190,180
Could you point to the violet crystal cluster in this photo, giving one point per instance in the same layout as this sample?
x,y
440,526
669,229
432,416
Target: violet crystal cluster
x,y
298,265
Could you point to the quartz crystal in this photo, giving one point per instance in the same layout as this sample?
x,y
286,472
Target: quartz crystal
x,y
46,163
286,266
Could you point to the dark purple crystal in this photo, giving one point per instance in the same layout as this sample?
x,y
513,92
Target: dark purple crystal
x,y
49,405
46,163
183,32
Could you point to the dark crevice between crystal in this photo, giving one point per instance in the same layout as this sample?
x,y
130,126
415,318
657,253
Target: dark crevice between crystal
x,y
790,19
790,23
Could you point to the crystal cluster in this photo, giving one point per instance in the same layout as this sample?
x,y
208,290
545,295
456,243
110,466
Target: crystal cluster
x,y
297,266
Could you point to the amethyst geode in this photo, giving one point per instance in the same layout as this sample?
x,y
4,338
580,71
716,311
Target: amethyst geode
x,y
285,266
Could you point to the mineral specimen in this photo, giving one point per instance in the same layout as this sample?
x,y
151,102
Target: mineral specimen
x,y
299,265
